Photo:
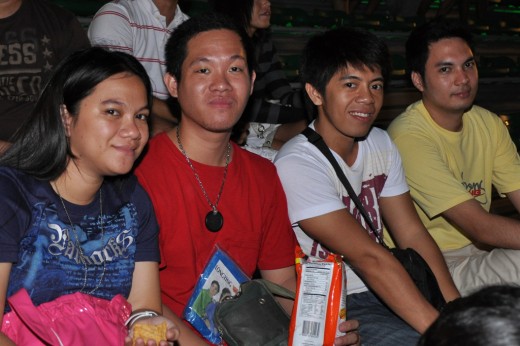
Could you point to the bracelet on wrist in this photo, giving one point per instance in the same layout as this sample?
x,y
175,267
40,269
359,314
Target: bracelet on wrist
x,y
135,316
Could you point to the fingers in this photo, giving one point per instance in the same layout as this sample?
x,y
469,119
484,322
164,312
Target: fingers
x,y
349,325
172,334
352,336
151,337
141,342
349,339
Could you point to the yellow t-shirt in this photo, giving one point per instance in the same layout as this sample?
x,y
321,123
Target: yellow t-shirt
x,y
445,168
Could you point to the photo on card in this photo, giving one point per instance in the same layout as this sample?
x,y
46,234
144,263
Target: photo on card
x,y
221,278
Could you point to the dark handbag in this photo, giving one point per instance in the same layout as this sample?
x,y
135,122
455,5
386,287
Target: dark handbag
x,y
421,275
410,259
254,316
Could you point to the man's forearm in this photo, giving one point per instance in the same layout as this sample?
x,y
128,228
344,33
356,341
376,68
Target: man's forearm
x,y
503,232
482,227
389,280
428,249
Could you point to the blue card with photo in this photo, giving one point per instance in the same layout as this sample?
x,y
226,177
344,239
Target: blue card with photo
x,y
221,278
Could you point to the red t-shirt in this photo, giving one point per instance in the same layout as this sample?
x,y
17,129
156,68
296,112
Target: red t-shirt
x,y
256,231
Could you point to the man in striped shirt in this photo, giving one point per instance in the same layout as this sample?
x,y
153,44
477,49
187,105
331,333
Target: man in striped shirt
x,y
141,28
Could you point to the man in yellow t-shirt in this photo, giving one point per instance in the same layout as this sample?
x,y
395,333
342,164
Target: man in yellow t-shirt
x,y
453,153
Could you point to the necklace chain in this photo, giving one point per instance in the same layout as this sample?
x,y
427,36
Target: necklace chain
x,y
78,245
228,158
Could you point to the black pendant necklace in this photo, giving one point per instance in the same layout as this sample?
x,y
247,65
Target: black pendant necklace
x,y
214,219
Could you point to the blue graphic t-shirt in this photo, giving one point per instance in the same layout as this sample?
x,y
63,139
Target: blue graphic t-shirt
x,y
36,236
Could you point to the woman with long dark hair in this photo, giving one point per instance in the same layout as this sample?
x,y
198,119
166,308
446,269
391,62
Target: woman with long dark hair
x,y
72,218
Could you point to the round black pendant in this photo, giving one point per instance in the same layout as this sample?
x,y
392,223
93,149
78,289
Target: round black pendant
x,y
214,221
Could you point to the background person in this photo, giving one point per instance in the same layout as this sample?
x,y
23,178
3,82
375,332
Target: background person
x,y
141,28
490,316
275,111
35,36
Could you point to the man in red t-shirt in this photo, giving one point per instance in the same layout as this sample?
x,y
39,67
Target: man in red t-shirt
x,y
206,190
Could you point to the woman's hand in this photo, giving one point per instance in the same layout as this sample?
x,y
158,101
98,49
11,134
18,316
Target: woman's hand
x,y
172,332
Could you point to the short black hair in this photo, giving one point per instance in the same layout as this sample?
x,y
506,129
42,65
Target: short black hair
x,y
216,283
225,292
420,39
328,52
491,316
177,46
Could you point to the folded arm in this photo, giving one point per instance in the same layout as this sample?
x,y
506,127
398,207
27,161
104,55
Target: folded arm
x,y
342,234
483,227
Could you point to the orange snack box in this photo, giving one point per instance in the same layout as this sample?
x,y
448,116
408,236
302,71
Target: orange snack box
x,y
320,304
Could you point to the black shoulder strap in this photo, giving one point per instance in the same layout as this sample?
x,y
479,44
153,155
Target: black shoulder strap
x,y
314,138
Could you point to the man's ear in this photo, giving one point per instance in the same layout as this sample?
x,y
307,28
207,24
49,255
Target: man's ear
x,y
171,84
314,94
417,81
66,119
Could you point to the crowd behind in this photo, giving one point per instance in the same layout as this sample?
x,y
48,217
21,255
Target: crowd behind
x,y
131,151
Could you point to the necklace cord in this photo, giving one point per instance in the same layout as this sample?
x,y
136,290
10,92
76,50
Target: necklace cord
x,y
214,219
228,158
78,244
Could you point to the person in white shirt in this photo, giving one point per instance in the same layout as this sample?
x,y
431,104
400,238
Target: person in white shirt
x,y
344,72
141,28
